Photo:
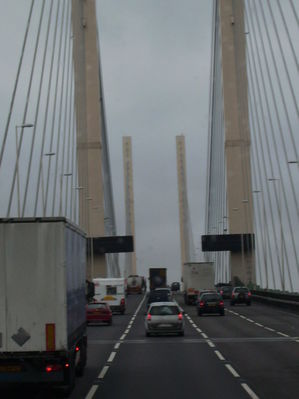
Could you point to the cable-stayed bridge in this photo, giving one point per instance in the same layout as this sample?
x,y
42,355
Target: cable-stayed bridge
x,y
54,162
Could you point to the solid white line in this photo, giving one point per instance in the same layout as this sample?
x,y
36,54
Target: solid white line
x,y
111,357
117,345
242,317
269,329
280,333
219,355
123,337
199,330
251,321
210,343
232,370
204,335
258,324
103,372
249,391
91,392
127,331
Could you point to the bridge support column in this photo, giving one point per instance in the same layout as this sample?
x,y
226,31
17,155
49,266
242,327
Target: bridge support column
x,y
90,122
237,134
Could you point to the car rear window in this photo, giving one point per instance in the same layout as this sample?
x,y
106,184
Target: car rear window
x,y
241,289
96,306
164,310
159,297
210,297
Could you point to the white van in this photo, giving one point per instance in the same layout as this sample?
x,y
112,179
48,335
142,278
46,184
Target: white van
x,y
111,291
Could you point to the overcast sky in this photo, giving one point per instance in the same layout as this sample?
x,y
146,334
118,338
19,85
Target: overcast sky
x,y
156,65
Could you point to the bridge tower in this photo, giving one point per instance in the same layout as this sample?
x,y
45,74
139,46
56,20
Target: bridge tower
x,y
183,204
237,134
130,257
90,122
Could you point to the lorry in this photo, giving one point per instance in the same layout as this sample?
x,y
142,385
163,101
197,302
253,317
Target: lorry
x,y
197,276
112,291
135,284
157,277
43,335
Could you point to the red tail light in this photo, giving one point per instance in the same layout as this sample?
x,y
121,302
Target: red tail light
x,y
53,367
249,293
233,295
221,292
180,316
201,304
122,302
67,365
77,349
221,303
149,317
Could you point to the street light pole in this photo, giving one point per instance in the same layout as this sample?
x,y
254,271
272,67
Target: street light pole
x,y
24,125
281,230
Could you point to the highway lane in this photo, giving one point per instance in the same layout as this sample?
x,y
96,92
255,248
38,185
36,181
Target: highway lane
x,y
261,343
101,340
168,366
219,356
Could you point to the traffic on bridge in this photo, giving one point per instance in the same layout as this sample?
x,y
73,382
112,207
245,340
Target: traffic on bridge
x,y
122,275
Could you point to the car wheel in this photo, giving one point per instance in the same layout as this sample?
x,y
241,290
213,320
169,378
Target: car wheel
x,y
232,303
147,334
182,333
248,303
222,313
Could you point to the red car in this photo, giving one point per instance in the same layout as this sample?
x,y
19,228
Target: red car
x,y
98,312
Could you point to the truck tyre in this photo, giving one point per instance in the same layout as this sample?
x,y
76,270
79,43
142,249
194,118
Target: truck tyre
x,y
69,380
83,358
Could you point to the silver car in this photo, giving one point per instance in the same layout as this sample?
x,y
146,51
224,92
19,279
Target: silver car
x,y
164,317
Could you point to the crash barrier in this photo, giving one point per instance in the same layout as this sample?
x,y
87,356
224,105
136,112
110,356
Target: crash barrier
x,y
280,299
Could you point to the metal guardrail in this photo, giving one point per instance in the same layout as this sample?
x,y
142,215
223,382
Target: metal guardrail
x,y
280,299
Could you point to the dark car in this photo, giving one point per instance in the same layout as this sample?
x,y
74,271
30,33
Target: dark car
x,y
159,295
225,291
210,303
98,312
240,295
175,286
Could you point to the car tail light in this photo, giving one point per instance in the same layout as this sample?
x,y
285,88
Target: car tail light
x,y
149,317
180,316
201,304
233,295
249,293
221,303
53,367
122,302
77,349
221,292
67,365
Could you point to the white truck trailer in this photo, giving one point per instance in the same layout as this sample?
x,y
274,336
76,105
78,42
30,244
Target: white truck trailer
x,y
42,302
197,276
112,291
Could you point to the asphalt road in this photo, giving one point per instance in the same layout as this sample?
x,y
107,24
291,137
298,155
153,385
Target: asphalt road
x,y
251,352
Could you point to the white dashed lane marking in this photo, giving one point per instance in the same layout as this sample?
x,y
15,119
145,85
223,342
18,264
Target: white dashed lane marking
x,y
117,345
103,372
219,355
111,357
249,391
91,392
232,370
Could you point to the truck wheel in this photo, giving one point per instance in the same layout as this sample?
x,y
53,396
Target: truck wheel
x,y
83,358
69,380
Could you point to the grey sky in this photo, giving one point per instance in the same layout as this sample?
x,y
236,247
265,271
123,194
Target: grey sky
x,y
156,63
